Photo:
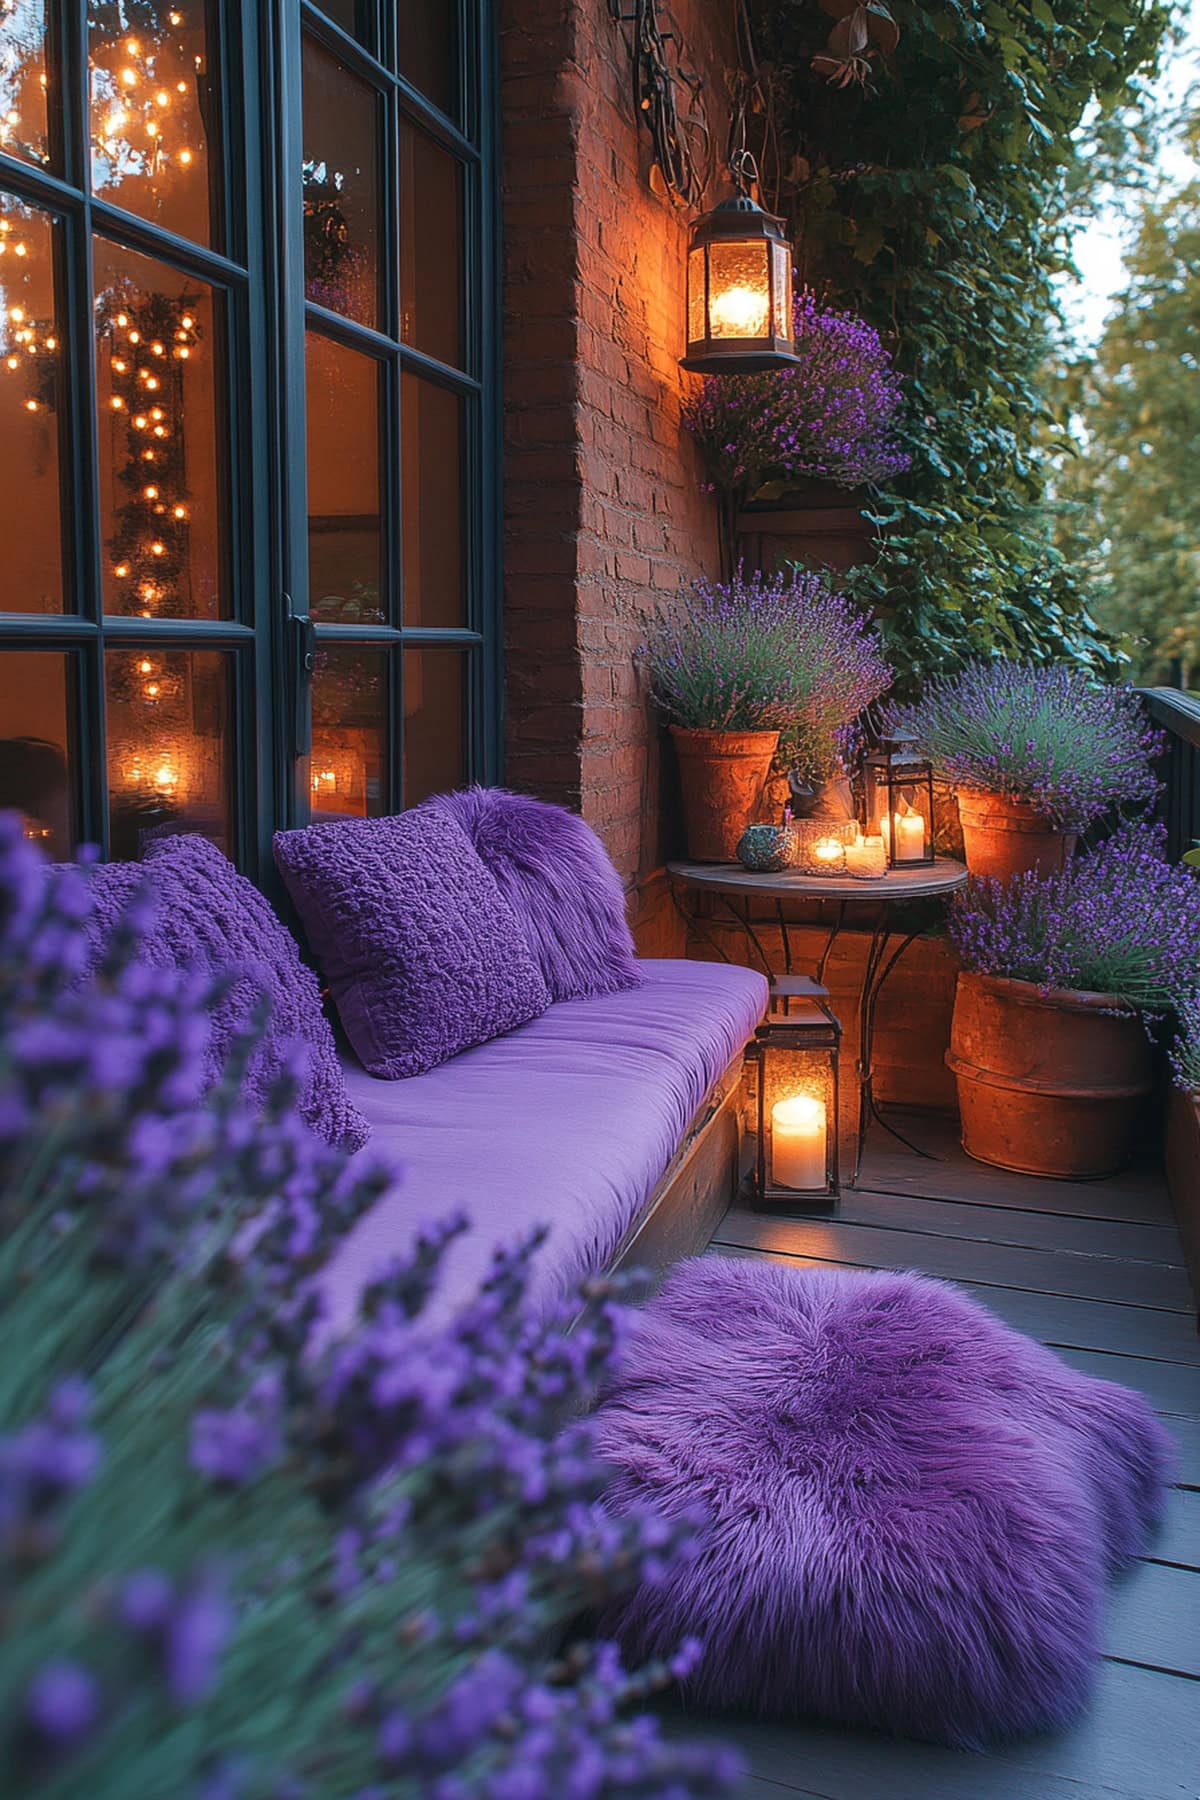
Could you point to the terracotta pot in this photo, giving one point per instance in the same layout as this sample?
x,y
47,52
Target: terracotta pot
x,y
722,775
1049,1084
1003,837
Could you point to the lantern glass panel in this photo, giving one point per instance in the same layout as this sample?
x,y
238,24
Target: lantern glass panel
x,y
781,298
898,806
739,304
799,1118
696,324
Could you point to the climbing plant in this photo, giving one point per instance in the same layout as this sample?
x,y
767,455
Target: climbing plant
x,y
933,196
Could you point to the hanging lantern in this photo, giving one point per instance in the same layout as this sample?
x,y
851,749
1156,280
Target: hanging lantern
x,y
796,1050
897,801
739,292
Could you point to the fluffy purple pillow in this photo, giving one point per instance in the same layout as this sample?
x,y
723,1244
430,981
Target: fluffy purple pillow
x,y
423,954
912,1509
212,918
556,874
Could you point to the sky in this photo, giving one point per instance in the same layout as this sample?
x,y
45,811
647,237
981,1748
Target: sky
x,y
1099,249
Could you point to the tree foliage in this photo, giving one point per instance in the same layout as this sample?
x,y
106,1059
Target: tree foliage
x,y
1130,498
934,198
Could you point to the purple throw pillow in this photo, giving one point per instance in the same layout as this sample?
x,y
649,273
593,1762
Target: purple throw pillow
x,y
212,918
423,954
558,878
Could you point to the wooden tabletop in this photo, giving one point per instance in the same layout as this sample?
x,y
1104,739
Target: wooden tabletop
x,y
944,876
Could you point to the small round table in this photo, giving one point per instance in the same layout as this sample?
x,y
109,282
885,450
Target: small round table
x,y
754,900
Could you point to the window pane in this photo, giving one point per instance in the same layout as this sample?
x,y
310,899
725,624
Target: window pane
x,y
430,246
345,542
153,111
37,749
433,526
427,34
31,395
354,16
348,770
25,77
435,713
170,744
160,378
341,188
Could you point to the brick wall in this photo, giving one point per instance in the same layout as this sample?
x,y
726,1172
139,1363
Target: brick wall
x,y
604,517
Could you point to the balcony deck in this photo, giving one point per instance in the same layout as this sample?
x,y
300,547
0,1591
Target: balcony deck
x,y
1095,1270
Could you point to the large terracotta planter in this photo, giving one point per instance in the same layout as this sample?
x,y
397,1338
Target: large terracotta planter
x,y
1003,837
722,774
1049,1084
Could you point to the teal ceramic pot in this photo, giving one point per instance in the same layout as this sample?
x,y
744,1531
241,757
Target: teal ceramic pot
x,y
766,849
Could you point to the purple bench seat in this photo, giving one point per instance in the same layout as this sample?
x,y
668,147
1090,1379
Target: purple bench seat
x,y
570,1122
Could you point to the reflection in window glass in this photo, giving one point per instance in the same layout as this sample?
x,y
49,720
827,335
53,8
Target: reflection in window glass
x,y
427,33
152,110
31,391
340,174
25,79
159,357
37,746
170,748
435,713
348,768
431,225
345,544
431,469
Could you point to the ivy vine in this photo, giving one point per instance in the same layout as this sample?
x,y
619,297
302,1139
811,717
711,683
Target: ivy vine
x,y
932,197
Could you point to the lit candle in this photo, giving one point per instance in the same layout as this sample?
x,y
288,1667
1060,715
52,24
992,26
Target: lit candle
x,y
798,1149
910,836
866,859
830,851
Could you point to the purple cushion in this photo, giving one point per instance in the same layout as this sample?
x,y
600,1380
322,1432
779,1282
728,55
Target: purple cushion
x,y
423,954
912,1508
211,917
568,1123
557,876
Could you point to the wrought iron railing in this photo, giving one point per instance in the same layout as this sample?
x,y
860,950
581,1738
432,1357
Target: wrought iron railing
x,y
1178,714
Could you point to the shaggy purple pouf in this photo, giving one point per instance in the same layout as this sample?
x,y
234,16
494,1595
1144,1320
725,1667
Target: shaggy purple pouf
x,y
911,1508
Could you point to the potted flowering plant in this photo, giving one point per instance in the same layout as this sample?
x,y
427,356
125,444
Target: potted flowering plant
x,y
1048,1043
798,437
750,671
1036,754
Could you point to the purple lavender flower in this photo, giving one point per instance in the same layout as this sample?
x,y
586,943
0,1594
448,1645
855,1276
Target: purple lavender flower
x,y
195,1636
1051,736
832,417
767,653
1120,920
62,1702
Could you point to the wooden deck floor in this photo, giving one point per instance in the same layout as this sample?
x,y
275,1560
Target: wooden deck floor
x,y
1093,1269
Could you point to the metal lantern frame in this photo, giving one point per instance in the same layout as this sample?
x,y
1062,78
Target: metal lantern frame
x,y
739,221
896,775
803,1023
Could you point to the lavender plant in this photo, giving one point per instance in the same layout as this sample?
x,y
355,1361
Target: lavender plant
x,y
233,1565
833,416
1050,736
1120,920
768,653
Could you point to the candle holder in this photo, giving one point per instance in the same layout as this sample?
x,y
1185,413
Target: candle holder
x,y
795,1052
821,845
896,783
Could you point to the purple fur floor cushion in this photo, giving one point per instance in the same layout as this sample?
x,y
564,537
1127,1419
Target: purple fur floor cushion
x,y
911,1508
212,918
423,954
556,875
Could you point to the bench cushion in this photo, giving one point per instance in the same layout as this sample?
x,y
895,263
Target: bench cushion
x,y
569,1122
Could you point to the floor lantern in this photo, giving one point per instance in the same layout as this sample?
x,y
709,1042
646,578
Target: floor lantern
x,y
796,1051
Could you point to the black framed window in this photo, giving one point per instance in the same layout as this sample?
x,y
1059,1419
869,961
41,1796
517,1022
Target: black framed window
x,y
247,413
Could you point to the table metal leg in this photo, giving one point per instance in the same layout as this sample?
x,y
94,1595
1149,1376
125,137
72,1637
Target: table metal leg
x,y
879,967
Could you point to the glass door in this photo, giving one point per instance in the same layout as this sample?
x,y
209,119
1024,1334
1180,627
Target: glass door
x,y
129,680
393,303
